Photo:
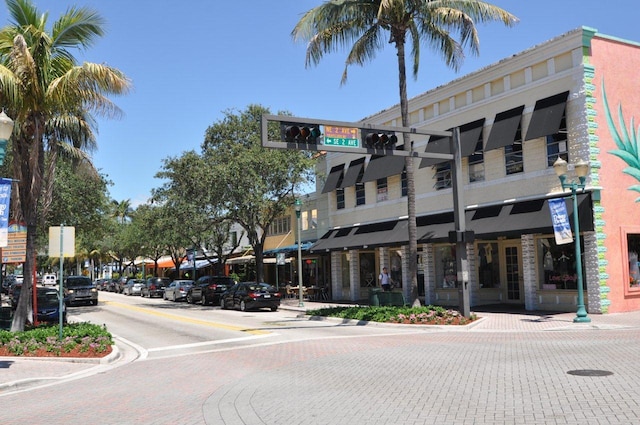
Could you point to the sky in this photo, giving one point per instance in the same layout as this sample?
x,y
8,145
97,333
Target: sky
x,y
190,61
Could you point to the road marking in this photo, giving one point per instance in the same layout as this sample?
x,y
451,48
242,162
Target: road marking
x,y
207,343
187,319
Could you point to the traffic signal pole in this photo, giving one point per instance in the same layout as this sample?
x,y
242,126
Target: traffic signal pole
x,y
349,137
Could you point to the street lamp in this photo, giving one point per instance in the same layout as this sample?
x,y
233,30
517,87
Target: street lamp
x,y
6,128
298,206
582,169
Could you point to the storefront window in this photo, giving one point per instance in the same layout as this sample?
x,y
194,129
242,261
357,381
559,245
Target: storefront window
x,y
488,265
557,265
396,268
445,266
633,243
368,274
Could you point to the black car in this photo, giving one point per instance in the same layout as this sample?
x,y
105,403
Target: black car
x,y
208,289
80,289
154,286
250,296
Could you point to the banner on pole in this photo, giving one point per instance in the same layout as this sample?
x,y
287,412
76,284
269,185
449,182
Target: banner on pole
x,y
560,220
5,197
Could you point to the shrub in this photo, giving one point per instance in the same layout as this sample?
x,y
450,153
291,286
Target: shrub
x,y
415,315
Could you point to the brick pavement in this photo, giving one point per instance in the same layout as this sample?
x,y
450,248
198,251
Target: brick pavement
x,y
505,369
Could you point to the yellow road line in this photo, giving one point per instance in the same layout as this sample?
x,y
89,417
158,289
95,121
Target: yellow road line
x,y
187,319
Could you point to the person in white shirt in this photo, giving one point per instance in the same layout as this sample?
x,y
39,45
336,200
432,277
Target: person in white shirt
x,y
385,280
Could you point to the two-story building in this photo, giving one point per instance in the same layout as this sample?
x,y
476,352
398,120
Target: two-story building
x,y
516,118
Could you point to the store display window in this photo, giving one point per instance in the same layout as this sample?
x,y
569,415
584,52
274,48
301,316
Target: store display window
x,y
557,265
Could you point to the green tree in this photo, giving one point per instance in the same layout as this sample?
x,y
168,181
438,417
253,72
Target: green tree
x,y
407,23
121,210
255,185
51,99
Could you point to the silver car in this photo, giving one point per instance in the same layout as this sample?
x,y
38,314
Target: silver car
x,y
133,287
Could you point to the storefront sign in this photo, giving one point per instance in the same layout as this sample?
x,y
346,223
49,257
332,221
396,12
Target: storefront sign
x,y
560,220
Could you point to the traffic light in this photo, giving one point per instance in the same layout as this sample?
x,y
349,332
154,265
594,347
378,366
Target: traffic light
x,y
377,139
300,133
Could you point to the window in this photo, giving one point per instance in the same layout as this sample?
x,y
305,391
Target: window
x,y
234,238
557,144
360,194
403,183
309,219
513,159
633,245
280,226
488,265
383,194
445,266
442,175
556,265
368,276
340,199
476,164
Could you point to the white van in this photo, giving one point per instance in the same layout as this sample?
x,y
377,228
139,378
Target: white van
x,y
49,280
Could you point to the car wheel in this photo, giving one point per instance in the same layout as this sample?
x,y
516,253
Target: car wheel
x,y
243,306
189,299
203,300
274,308
222,304
94,302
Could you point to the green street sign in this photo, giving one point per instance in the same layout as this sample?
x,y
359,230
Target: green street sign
x,y
341,136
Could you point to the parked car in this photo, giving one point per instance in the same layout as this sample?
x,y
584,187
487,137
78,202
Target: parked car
x,y
250,296
80,289
207,289
49,306
111,285
121,283
154,286
7,282
14,294
101,284
133,287
177,290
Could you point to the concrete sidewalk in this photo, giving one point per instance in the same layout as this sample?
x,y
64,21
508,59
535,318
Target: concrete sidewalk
x,y
20,373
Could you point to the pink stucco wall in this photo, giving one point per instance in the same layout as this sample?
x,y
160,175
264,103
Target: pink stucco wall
x,y
617,64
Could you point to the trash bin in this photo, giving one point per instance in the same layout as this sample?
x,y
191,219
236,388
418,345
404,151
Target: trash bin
x,y
395,299
374,294
6,317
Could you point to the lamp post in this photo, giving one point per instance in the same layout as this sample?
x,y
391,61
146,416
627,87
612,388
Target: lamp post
x,y
582,169
298,206
6,128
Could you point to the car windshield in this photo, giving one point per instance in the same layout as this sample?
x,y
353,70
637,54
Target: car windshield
x,y
78,281
47,299
261,287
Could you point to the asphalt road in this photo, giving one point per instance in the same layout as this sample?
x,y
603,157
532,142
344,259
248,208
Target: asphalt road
x,y
207,366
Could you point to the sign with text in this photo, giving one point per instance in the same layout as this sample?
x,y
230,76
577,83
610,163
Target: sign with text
x,y
16,249
341,136
560,220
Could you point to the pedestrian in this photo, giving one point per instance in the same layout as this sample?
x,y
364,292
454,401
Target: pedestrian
x,y
385,280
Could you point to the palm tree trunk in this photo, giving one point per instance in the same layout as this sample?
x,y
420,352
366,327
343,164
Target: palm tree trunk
x,y
410,293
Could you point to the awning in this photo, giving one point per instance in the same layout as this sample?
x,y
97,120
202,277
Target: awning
x,y
490,222
381,166
241,260
163,263
200,264
470,134
334,178
504,129
353,173
547,116
289,248
436,144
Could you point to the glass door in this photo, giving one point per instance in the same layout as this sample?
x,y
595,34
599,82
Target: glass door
x,y
512,272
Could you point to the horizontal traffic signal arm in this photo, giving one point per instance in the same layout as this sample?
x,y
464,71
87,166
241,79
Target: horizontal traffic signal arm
x,y
289,141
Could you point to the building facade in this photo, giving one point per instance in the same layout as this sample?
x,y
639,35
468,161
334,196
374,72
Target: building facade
x,y
559,99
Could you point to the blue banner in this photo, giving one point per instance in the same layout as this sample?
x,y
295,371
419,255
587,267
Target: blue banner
x,y
5,197
560,220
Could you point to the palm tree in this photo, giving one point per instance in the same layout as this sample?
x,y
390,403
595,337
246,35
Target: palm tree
x,y
363,23
51,99
121,210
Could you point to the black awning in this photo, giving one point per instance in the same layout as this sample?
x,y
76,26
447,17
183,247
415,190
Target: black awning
x,y
504,128
509,220
436,144
383,166
547,116
353,173
470,134
334,178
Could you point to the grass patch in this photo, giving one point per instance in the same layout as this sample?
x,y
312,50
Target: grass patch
x,y
427,315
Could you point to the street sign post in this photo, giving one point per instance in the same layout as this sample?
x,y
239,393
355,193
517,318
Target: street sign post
x,y
347,137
